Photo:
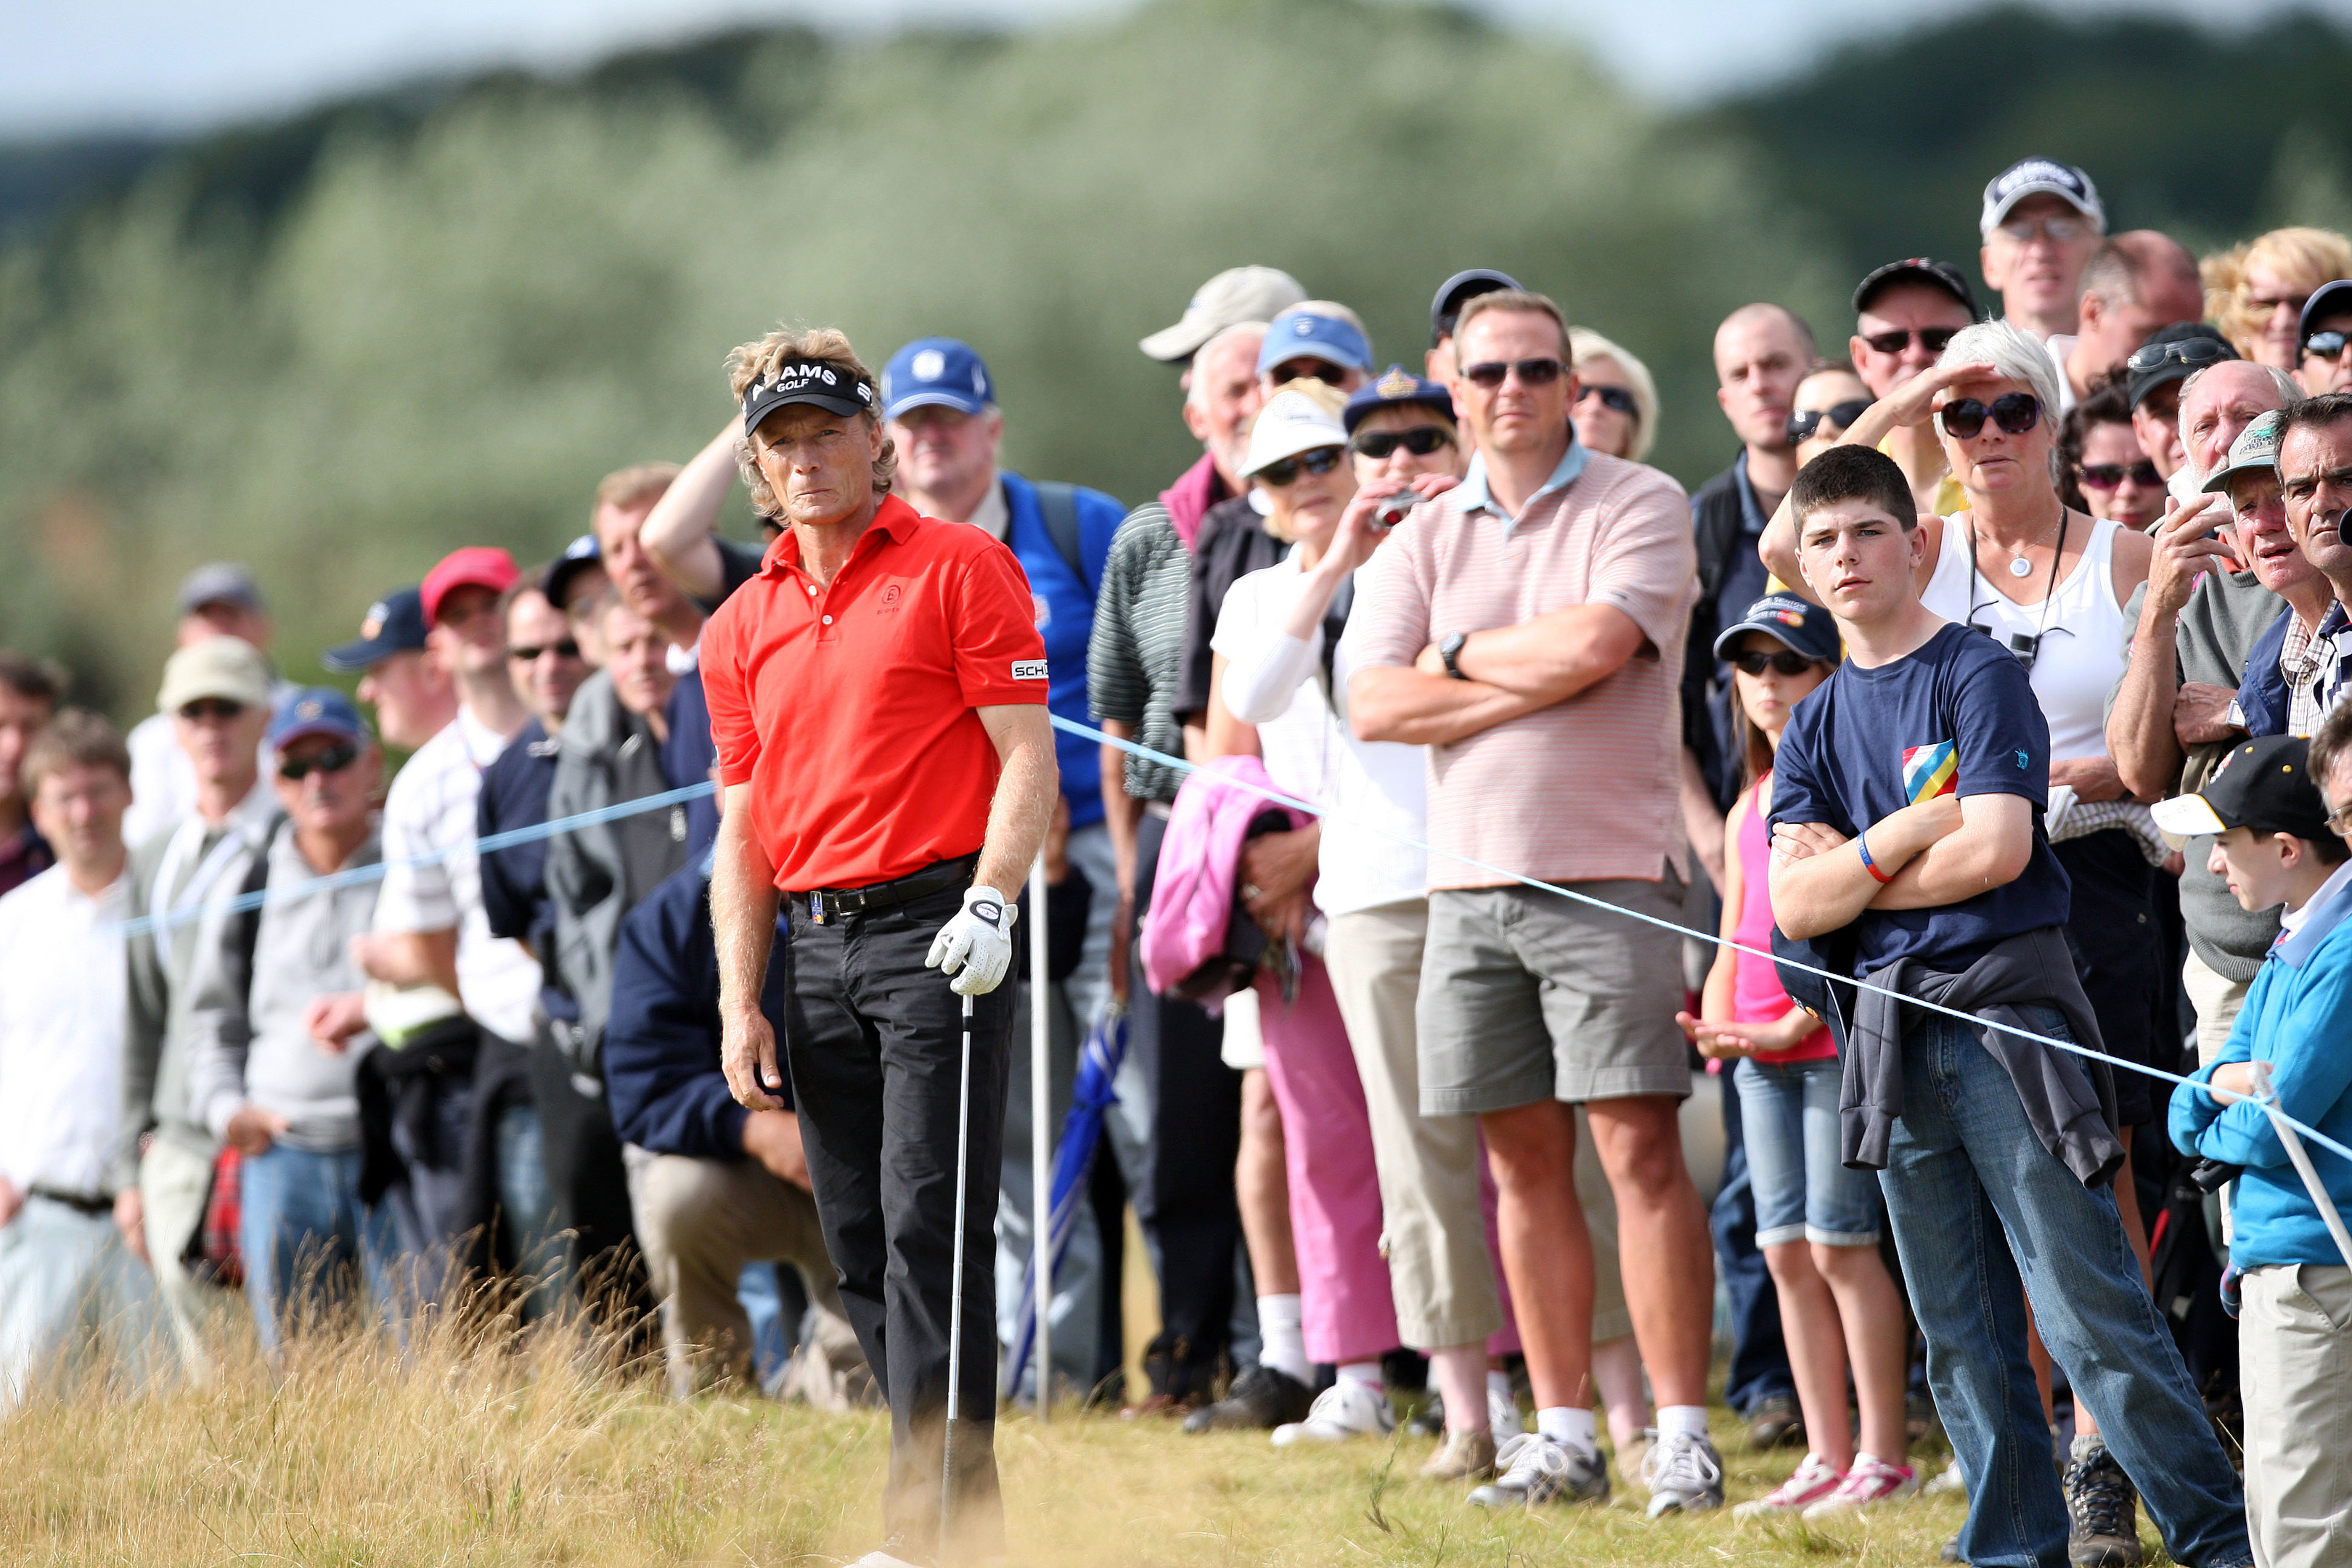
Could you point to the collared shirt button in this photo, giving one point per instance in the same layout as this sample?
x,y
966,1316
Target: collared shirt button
x,y
828,620
812,588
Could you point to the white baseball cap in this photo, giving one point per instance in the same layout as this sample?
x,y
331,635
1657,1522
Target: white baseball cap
x,y
1289,424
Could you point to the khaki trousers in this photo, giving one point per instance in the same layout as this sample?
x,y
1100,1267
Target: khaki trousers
x,y
173,1183
2216,999
2295,1347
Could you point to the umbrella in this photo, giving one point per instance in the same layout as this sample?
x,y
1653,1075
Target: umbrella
x,y
1091,1094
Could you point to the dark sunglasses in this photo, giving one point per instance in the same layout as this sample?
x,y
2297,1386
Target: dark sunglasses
x,y
1805,421
2015,412
1420,441
1321,460
1615,397
225,710
1320,370
1489,373
1788,661
2194,352
567,648
2328,344
2107,476
1935,340
334,760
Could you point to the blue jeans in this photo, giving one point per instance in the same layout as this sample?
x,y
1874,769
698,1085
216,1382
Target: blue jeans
x,y
1789,1112
1975,1198
304,1233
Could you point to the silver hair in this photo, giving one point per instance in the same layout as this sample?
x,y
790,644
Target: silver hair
x,y
1196,393
2014,355
2289,391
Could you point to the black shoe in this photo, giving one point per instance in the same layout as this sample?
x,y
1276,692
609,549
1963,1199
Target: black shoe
x,y
2102,1528
1774,1420
1261,1400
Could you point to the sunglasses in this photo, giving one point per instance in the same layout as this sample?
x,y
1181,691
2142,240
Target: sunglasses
x,y
2015,412
1321,460
1615,397
1320,370
1489,373
334,760
1804,422
1788,661
567,648
224,709
2328,344
1420,441
1935,340
2107,476
2194,352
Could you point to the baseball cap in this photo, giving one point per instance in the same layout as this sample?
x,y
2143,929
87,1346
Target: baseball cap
x,y
1803,628
2264,784
1921,269
1395,385
315,710
826,384
578,556
1236,295
394,624
2257,447
936,373
2173,353
1302,333
475,566
220,583
2328,300
228,669
1289,424
1459,290
2039,177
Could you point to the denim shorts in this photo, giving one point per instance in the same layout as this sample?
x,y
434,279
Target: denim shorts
x,y
1789,1119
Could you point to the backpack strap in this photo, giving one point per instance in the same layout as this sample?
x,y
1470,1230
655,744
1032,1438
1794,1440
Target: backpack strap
x,y
1335,621
1057,505
246,933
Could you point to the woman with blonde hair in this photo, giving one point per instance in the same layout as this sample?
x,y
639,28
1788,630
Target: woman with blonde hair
x,y
2255,293
1616,407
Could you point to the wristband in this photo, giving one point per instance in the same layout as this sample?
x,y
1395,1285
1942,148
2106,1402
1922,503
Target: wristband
x,y
1861,842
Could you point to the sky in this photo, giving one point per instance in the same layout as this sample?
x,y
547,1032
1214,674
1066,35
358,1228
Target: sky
x,y
80,65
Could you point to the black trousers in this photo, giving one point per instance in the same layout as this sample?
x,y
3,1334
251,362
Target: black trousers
x,y
875,1047
589,1190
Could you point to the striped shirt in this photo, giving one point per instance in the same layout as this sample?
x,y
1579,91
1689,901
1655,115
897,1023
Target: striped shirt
x,y
1585,789
1134,657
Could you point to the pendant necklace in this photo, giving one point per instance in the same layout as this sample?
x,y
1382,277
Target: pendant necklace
x,y
2019,566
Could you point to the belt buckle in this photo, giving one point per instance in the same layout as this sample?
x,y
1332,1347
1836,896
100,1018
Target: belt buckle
x,y
817,909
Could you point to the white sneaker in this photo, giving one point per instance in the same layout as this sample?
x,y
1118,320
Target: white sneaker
x,y
1502,1417
1346,1409
1947,1482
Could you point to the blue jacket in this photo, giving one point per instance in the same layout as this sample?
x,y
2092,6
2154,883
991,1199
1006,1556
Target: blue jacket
x,y
1065,616
2297,1017
2263,694
661,1043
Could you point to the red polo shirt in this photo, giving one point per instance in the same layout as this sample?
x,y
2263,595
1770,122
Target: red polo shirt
x,y
848,709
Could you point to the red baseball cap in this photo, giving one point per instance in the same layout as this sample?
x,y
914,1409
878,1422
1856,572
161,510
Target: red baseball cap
x,y
476,566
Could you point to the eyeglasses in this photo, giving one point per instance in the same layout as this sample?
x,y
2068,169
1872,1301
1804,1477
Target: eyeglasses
x,y
1320,370
2328,344
1616,397
225,710
334,760
1935,340
1788,661
1285,471
2194,352
2269,304
2015,412
2056,230
567,648
1489,373
1804,422
1420,441
2107,476
2339,821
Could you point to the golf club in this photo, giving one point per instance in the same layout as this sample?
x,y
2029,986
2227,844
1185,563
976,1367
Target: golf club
x,y
955,1287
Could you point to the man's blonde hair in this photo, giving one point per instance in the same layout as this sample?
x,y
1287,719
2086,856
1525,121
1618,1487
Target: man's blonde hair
x,y
754,361
1514,300
625,488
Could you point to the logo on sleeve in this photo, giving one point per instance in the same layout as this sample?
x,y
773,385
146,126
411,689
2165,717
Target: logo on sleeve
x,y
2024,761
1930,770
1028,670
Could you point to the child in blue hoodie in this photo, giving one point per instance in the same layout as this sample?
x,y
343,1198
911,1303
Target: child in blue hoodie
x,y
2294,1326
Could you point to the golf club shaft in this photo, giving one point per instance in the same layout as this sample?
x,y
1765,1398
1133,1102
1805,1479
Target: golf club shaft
x,y
955,1287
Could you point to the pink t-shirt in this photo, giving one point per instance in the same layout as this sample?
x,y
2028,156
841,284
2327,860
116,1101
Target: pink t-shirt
x,y
1757,997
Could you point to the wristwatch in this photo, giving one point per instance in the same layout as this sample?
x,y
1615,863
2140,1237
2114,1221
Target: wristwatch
x,y
1449,648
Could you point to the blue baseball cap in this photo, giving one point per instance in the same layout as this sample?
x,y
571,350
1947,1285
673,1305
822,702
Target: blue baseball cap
x,y
578,556
1805,628
315,710
1301,333
394,624
936,373
1459,290
1395,385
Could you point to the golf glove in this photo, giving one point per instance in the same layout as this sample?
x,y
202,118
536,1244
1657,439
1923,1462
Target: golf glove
x,y
975,948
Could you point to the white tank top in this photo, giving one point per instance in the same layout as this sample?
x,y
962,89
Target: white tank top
x,y
2085,640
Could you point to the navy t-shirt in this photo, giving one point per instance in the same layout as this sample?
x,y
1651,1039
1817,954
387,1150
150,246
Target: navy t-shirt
x,y
1957,716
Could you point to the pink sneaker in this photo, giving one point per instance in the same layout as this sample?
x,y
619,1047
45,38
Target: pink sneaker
x,y
1813,1481
1871,1480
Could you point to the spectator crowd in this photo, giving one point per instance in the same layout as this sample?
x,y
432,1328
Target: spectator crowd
x,y
1988,708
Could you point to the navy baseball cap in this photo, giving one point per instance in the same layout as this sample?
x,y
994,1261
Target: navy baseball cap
x,y
394,624
315,710
2328,300
1459,290
936,373
578,556
827,383
1804,628
1395,385
1919,269
2174,354
1301,333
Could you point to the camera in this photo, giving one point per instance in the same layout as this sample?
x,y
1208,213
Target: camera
x,y
1390,512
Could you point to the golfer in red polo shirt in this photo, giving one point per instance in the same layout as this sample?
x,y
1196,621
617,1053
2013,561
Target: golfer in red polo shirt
x,y
877,699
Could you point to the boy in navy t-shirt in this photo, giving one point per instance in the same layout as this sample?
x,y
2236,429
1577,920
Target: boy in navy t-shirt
x,y
1907,804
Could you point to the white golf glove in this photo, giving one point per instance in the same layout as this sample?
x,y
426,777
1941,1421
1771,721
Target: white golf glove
x,y
976,946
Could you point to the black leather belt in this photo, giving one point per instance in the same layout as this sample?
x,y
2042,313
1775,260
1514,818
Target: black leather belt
x,y
80,1203
826,905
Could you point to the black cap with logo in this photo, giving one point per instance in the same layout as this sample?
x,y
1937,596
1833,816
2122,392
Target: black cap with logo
x,y
828,385
2264,784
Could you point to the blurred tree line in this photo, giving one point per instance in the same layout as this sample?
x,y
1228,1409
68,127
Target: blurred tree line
x,y
338,346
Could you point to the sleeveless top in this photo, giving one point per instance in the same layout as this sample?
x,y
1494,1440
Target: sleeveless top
x,y
1757,997
2085,639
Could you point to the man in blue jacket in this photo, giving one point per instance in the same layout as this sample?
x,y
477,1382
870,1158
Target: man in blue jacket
x,y
714,1185
2276,847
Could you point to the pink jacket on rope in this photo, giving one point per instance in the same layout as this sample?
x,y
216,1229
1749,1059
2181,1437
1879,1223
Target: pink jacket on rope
x,y
1197,945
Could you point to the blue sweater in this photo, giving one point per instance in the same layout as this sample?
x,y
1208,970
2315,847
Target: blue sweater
x,y
2297,1017
661,1046
1065,618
